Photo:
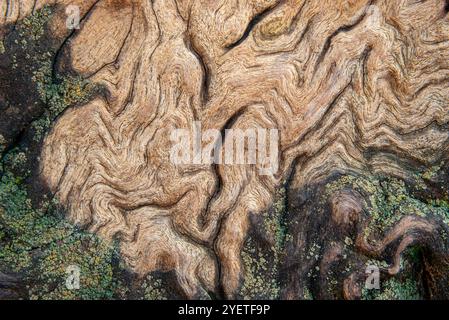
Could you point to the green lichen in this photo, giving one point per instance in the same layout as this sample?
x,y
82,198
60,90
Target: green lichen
x,y
260,281
348,241
91,255
58,96
2,143
404,286
262,266
307,295
431,172
39,244
33,26
274,223
154,289
314,252
16,160
56,92
36,241
393,289
378,263
388,201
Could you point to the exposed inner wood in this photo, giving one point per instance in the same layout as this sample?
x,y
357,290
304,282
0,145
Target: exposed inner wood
x,y
352,86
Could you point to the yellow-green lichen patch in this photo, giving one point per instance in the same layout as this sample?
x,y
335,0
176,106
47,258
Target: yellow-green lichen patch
x,y
388,201
58,97
35,240
16,159
56,92
431,172
154,289
307,295
33,26
261,265
40,245
274,223
2,143
395,290
86,252
404,286
260,280
314,252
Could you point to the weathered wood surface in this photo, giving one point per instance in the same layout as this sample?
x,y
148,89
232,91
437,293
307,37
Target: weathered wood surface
x,y
354,87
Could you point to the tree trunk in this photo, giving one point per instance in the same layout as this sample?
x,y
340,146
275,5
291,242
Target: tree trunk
x,y
357,93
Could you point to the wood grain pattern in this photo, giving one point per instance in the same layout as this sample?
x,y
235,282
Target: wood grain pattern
x,y
352,86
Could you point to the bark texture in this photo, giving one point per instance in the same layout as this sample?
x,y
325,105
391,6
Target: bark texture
x,y
359,91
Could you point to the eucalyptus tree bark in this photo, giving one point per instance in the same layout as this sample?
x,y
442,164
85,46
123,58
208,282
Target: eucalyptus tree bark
x,y
358,91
